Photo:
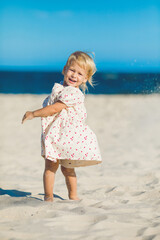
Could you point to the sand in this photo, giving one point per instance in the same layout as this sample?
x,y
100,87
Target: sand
x,y
120,198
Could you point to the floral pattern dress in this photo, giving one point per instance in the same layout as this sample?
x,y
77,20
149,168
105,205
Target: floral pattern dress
x,y
65,135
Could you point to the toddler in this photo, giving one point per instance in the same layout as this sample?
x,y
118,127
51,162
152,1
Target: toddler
x,y
66,139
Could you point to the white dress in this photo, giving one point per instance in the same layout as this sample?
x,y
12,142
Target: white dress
x,y
65,135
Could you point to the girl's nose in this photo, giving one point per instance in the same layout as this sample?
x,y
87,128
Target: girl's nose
x,y
74,74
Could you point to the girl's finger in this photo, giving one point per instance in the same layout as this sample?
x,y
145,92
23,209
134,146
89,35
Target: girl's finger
x,y
24,118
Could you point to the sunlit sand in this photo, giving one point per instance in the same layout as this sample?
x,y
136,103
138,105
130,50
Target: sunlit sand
x,y
119,199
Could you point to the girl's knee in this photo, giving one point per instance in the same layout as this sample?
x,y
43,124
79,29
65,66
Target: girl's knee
x,y
68,171
51,166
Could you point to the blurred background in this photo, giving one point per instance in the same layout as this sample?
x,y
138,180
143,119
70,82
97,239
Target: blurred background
x,y
37,37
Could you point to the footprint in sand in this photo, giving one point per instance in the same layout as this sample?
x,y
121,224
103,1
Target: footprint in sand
x,y
153,182
135,194
110,189
141,232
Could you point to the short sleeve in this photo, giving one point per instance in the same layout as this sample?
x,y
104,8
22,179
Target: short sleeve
x,y
57,88
45,102
71,96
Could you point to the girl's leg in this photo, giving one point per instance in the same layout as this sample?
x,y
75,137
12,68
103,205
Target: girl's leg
x,y
48,179
71,182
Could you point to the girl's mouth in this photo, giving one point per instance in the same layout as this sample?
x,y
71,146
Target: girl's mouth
x,y
71,80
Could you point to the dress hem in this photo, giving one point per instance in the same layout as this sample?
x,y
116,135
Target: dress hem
x,y
75,163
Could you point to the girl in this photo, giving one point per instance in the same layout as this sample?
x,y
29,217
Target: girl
x,y
66,139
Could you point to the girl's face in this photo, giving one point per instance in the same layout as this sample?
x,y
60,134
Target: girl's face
x,y
74,75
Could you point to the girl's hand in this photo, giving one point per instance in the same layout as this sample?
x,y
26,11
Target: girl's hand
x,y
27,116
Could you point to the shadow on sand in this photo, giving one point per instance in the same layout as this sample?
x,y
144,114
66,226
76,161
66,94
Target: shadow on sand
x,y
17,193
14,193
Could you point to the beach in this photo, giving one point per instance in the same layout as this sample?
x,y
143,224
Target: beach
x,y
119,199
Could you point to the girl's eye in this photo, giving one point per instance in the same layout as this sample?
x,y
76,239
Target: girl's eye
x,y
80,74
71,70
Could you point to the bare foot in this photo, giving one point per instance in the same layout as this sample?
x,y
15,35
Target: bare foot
x,y
48,199
74,198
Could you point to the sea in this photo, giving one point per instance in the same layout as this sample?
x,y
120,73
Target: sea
x,y
41,82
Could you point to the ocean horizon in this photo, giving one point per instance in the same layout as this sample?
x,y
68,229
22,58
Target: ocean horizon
x,y
41,82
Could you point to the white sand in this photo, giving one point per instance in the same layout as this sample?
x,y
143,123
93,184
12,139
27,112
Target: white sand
x,y
120,198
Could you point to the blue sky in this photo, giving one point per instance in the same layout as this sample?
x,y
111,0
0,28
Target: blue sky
x,y
124,35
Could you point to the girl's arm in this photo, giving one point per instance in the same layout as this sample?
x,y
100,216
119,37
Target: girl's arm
x,y
44,112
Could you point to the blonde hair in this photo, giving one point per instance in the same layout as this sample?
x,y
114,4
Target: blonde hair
x,y
85,61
